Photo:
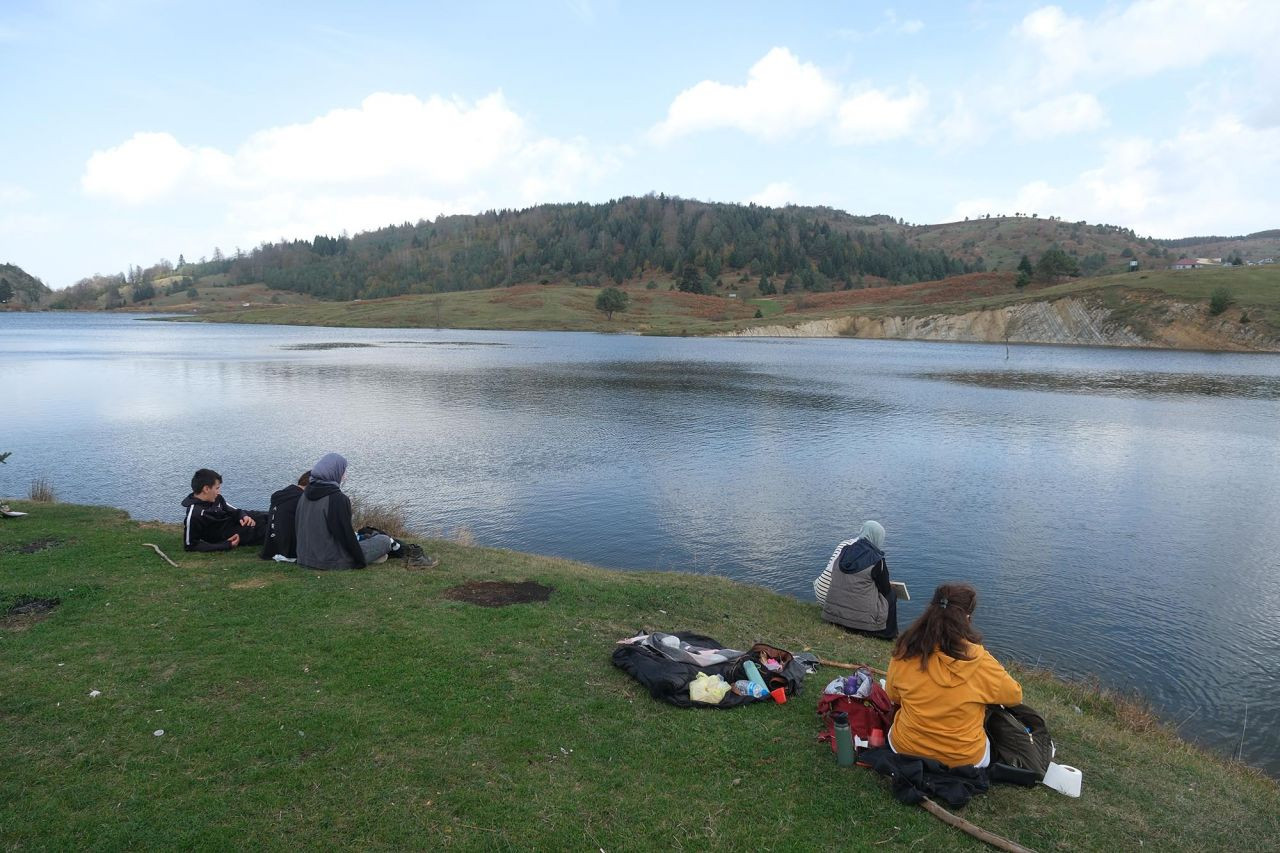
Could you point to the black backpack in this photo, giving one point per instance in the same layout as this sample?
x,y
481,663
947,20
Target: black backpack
x,y
1019,741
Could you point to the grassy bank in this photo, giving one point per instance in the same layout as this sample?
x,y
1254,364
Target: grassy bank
x,y
362,709
1138,298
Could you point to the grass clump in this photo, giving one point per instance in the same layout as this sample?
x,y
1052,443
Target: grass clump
x,y
387,517
41,491
367,709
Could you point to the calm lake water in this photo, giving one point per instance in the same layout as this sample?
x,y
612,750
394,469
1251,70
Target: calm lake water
x,y
1116,509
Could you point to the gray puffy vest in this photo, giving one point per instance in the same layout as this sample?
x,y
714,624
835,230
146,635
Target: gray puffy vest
x,y
853,600
317,549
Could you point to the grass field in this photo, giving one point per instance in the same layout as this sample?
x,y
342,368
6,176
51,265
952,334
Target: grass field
x,y
366,710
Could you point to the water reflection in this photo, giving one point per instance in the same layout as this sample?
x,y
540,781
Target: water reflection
x,y
1125,528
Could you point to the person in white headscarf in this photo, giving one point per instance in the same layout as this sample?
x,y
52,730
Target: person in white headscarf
x,y
854,588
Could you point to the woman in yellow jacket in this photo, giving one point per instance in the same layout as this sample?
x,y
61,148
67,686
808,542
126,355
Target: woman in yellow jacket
x,y
944,679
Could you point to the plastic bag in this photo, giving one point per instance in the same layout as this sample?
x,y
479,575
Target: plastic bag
x,y
708,689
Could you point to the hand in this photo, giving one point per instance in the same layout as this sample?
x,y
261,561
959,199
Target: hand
x,y
234,540
248,521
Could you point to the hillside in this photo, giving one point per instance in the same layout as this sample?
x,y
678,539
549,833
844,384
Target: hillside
x,y
236,703
1161,308
690,267
999,242
628,240
20,290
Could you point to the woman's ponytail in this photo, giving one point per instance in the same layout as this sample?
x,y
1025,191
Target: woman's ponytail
x,y
943,626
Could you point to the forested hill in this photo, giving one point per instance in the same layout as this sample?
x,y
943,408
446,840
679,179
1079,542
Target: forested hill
x,y
20,289
814,249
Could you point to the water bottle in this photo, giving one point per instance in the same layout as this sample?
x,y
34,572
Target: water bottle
x,y
754,675
844,739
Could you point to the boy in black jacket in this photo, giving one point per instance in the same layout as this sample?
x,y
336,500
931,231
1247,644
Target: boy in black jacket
x,y
282,530
211,523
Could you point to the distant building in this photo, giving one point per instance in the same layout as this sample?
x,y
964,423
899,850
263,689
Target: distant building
x,y
1196,263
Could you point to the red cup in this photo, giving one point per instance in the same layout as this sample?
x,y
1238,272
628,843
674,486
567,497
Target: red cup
x,y
779,695
877,738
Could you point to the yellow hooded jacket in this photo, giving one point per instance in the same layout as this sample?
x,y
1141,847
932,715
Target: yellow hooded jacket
x,y
944,705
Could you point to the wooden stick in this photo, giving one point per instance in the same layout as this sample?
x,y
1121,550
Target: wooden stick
x,y
161,553
840,665
996,841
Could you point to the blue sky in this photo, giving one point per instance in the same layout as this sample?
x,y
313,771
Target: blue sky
x,y
143,129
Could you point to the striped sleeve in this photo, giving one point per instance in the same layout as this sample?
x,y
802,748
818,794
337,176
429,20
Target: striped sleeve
x,y
822,583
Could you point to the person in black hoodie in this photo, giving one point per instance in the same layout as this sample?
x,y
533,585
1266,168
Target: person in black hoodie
x,y
212,524
326,538
282,536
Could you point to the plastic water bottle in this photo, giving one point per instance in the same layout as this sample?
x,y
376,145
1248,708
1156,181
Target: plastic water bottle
x,y
844,739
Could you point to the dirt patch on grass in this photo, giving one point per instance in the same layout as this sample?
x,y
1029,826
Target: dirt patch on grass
x,y
498,593
35,546
251,583
27,610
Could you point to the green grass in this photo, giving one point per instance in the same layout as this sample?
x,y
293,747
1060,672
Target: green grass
x,y
363,709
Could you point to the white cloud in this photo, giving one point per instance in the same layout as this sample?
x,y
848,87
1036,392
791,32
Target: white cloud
x,y
437,140
150,166
781,95
1192,183
1145,37
776,194
876,116
395,158
1072,113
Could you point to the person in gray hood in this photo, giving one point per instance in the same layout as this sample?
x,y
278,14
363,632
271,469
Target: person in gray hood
x,y
326,538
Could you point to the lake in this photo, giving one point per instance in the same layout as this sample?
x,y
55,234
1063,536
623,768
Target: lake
x,y
1116,509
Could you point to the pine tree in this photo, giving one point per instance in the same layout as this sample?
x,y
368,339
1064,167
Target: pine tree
x,y
691,280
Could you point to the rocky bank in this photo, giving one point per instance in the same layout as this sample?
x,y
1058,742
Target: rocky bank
x,y
1069,320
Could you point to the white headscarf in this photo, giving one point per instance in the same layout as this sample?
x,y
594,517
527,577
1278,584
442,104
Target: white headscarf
x,y
873,533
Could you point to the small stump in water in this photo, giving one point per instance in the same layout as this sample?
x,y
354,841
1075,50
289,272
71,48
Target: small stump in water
x,y
498,593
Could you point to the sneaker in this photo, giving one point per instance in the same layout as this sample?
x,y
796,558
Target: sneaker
x,y
420,559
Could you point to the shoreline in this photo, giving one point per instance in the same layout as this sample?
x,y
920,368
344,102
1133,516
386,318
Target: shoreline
x,y
982,327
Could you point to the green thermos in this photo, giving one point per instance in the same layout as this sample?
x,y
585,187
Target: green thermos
x,y
844,739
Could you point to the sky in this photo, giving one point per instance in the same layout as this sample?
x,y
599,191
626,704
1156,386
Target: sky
x,y
141,130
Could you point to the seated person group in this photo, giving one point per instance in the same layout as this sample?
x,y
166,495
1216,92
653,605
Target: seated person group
x,y
939,674
309,522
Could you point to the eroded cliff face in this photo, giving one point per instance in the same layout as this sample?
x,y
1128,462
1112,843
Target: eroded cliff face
x,y
1062,321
